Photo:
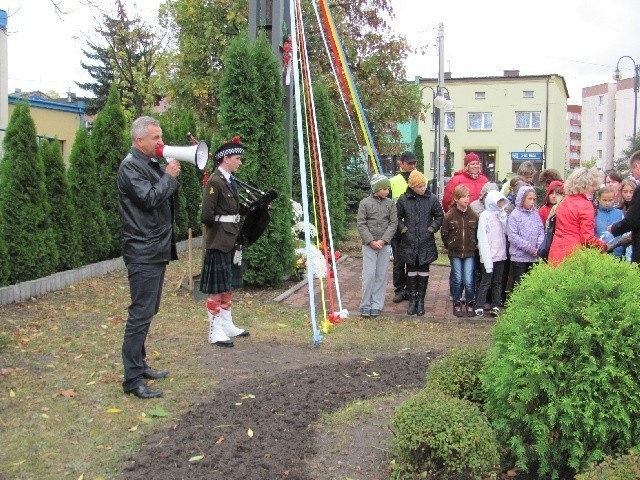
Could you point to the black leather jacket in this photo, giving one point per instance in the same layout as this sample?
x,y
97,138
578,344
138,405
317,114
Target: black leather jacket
x,y
146,210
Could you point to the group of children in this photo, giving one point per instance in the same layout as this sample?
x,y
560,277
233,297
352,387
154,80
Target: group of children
x,y
491,243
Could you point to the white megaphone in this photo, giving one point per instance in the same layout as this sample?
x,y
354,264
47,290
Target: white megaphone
x,y
197,154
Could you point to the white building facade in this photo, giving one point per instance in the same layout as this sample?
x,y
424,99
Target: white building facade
x,y
607,122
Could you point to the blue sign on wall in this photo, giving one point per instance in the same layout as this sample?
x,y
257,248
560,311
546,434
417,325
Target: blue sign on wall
x,y
531,156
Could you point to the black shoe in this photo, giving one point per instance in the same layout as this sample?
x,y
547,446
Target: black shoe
x,y
143,391
154,374
223,343
243,334
399,297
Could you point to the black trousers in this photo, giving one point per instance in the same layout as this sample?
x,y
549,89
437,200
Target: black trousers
x,y
491,281
399,268
145,286
518,269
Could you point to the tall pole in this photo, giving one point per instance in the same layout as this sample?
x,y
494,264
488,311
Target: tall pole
x,y
636,73
635,102
435,115
440,127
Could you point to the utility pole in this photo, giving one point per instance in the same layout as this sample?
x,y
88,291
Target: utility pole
x,y
439,154
273,17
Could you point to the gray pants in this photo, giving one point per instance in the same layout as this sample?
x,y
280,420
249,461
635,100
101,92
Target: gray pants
x,y
374,276
145,286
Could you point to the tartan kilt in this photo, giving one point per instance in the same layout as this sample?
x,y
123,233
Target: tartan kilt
x,y
219,273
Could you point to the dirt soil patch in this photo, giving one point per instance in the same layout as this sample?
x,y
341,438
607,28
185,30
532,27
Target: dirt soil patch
x,y
260,422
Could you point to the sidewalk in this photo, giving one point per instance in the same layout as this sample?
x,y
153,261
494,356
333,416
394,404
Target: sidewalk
x,y
437,305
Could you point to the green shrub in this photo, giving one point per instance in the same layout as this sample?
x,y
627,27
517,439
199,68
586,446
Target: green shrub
x,y
457,374
624,467
561,378
28,244
439,434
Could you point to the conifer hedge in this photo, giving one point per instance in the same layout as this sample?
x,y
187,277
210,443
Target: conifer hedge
x,y
85,194
110,144
331,158
251,97
63,217
24,208
418,150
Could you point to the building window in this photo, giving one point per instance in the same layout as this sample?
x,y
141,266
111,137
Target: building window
x,y
600,154
527,94
599,135
600,117
449,121
600,99
481,95
528,120
480,121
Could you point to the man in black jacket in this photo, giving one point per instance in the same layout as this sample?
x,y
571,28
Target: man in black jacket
x,y
145,191
631,220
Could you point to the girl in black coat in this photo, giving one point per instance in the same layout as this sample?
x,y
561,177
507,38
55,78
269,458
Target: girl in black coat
x,y
420,216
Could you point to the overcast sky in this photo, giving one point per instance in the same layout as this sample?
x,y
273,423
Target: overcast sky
x,y
579,39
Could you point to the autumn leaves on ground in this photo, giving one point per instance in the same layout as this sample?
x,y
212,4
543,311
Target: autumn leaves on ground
x,y
62,410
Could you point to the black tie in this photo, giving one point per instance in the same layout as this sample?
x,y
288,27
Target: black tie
x,y
234,186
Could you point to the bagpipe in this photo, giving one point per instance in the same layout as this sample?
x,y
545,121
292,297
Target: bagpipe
x,y
253,201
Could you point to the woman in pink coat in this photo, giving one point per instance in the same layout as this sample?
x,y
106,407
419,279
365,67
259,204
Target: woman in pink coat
x,y
471,176
575,215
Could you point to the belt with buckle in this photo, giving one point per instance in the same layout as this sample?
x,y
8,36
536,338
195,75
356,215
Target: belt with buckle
x,y
227,218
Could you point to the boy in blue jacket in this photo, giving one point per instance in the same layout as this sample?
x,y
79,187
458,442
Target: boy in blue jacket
x,y
607,215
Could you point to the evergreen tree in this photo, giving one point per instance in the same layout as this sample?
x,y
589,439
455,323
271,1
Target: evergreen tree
x,y
331,159
448,164
128,55
25,212
271,257
240,105
110,145
419,153
64,218
85,194
4,258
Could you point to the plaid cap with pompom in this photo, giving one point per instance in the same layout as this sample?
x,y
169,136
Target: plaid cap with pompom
x,y
234,147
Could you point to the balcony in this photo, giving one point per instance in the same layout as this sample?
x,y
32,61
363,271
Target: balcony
x,y
575,122
574,148
574,135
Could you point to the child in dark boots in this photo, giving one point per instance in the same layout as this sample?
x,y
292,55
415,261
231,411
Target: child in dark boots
x,y
420,216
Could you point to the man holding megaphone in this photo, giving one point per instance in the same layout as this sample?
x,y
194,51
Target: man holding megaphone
x,y
145,192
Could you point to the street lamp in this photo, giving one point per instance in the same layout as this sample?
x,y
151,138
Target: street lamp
x,y
617,76
441,103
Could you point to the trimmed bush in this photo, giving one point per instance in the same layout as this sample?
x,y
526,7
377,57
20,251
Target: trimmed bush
x,y
624,467
63,216
28,245
561,378
84,188
110,142
443,435
457,374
